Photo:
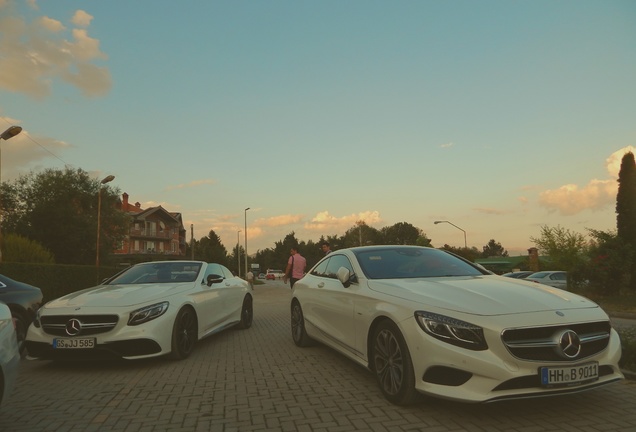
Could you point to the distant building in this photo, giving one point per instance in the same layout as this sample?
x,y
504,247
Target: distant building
x,y
501,265
153,231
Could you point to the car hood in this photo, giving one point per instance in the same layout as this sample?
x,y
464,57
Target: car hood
x,y
119,295
482,295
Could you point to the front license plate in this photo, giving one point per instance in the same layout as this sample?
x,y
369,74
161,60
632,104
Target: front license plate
x,y
77,343
569,375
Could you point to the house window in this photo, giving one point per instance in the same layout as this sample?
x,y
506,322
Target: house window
x,y
136,247
161,247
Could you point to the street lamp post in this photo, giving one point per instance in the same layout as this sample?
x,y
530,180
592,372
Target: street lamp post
x,y
444,221
246,241
9,133
105,180
238,251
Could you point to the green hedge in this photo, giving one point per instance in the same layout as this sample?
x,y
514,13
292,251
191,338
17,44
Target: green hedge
x,y
56,280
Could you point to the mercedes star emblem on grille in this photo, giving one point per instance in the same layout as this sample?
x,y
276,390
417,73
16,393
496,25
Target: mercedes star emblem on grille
x,y
73,327
569,344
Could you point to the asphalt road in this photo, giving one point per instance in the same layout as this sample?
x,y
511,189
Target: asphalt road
x,y
258,380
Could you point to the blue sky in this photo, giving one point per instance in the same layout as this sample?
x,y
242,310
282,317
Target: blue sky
x,y
498,116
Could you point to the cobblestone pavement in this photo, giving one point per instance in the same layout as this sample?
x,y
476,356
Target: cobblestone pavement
x,y
258,380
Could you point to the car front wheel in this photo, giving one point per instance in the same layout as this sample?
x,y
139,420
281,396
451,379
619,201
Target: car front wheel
x,y
184,334
20,331
299,334
247,313
391,362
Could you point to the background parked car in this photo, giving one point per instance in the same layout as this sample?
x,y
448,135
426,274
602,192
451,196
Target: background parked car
x,y
149,309
274,274
261,275
518,275
556,279
9,353
23,300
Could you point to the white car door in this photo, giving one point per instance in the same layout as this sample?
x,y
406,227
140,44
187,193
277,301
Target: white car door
x,y
213,307
329,305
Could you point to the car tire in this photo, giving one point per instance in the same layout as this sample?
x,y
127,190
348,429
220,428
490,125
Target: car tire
x,y
299,334
20,331
391,362
247,313
184,333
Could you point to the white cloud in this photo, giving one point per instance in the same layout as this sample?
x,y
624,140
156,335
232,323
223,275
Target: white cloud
x,y
34,55
324,222
81,18
613,163
596,195
570,199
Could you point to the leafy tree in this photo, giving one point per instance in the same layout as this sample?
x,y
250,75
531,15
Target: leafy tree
x,y
494,249
361,234
58,209
19,249
471,254
609,262
626,208
567,249
401,233
210,249
422,240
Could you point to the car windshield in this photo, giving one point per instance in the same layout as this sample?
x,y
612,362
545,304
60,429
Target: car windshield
x,y
158,273
412,262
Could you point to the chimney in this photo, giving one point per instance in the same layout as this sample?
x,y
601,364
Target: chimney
x,y
125,201
533,259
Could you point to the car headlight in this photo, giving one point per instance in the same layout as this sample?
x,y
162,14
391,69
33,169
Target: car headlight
x,y
36,319
451,330
147,313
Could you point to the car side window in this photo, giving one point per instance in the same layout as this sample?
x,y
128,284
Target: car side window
x,y
320,269
226,273
559,276
335,262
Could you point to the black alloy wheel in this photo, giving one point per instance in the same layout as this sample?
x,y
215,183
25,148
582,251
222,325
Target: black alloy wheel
x,y
184,333
247,313
299,334
391,362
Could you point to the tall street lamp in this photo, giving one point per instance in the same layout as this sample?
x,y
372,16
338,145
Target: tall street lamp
x,y
238,251
465,244
8,134
105,180
246,241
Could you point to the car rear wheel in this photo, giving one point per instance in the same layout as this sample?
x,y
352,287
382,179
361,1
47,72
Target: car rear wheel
x,y
299,334
184,334
247,313
391,362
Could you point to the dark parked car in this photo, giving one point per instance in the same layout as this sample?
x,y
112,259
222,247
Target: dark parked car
x,y
518,275
24,300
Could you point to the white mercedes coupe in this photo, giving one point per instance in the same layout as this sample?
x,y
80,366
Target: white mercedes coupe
x,y
149,309
426,321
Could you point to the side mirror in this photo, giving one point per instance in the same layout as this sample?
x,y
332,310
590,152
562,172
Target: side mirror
x,y
345,277
214,278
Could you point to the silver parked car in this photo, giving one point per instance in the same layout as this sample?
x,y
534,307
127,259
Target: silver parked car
x,y
556,279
